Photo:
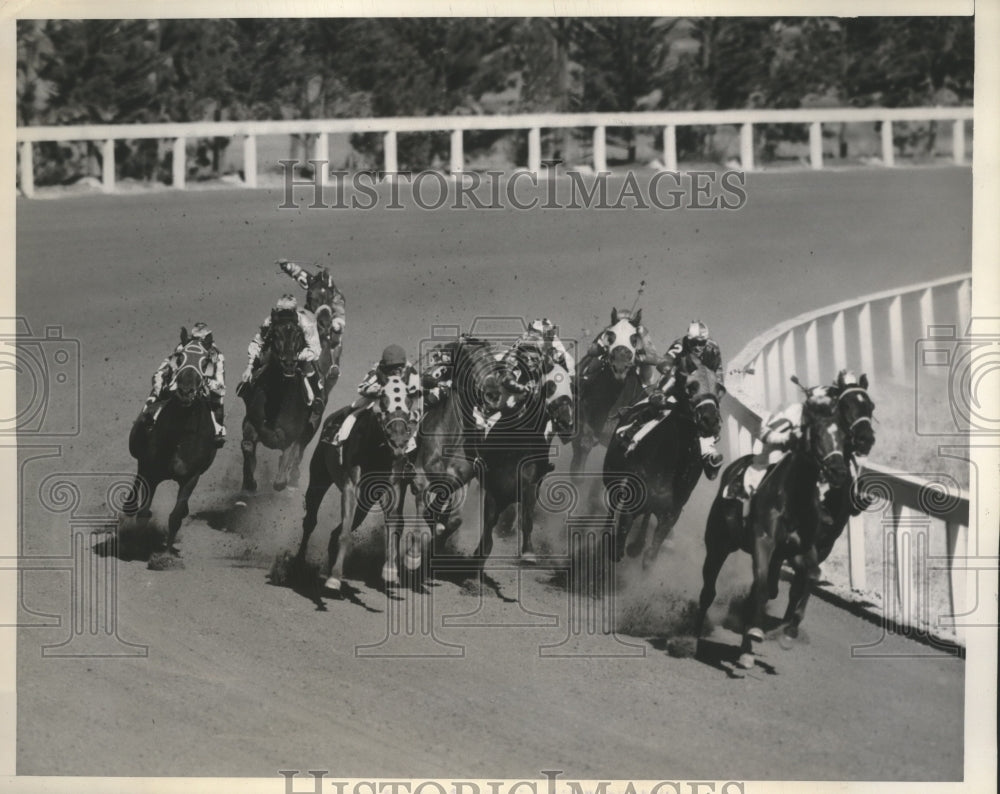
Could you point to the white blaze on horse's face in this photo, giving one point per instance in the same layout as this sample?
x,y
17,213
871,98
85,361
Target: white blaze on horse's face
x,y
622,341
558,392
395,408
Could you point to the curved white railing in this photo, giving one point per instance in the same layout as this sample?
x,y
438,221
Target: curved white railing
x,y
815,346
814,118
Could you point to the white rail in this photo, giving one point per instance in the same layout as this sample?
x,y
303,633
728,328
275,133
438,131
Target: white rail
x,y
456,125
815,346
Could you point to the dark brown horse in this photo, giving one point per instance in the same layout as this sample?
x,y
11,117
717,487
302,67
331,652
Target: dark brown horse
x,y
180,445
610,377
658,476
321,294
444,461
369,469
514,453
784,522
278,414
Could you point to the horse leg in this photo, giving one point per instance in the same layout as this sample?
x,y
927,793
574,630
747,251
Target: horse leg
x,y
806,575
719,533
774,577
320,480
763,550
635,548
140,496
249,447
416,541
526,510
665,520
490,514
287,463
349,518
184,491
621,523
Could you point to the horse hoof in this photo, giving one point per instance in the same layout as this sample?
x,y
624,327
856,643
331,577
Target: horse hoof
x,y
240,503
648,560
529,558
279,486
332,583
634,549
746,661
792,632
411,561
439,528
755,634
389,574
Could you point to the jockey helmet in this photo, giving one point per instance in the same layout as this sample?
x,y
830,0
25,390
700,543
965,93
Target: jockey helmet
x,y
846,378
287,303
393,356
697,332
200,331
542,327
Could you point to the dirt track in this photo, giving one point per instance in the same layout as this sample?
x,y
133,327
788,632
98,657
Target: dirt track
x,y
244,679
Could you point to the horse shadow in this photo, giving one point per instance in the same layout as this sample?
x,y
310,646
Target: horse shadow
x,y
305,579
132,543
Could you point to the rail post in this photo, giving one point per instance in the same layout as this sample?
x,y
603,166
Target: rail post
x,y
888,148
958,141
670,147
108,165
250,161
897,351
816,145
535,150
865,338
600,150
391,159
179,163
457,152
746,147
27,169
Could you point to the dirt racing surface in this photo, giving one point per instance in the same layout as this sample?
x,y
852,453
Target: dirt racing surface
x,y
212,671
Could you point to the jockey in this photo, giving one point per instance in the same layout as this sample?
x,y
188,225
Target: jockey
x,y
214,382
695,343
394,362
337,303
287,305
541,341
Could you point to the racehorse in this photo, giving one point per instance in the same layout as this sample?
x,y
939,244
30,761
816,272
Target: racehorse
x,y
515,451
369,469
444,460
783,525
277,412
180,446
658,476
320,295
608,384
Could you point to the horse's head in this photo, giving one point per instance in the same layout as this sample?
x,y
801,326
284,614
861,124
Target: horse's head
x,y
193,362
823,438
620,342
320,293
558,390
522,367
703,390
855,408
395,413
286,340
